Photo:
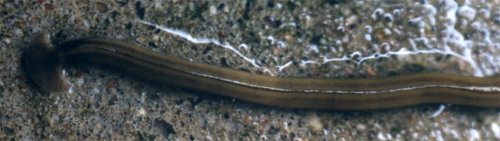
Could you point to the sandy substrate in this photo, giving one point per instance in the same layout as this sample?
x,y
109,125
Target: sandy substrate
x,y
323,39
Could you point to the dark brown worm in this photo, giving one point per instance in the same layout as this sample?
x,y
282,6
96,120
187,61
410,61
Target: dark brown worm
x,y
44,63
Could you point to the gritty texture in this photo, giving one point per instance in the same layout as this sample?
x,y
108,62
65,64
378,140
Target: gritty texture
x,y
105,105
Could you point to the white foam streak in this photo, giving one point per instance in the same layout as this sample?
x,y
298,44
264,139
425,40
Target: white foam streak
x,y
192,39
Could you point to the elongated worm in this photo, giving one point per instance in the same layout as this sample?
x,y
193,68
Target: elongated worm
x,y
43,65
